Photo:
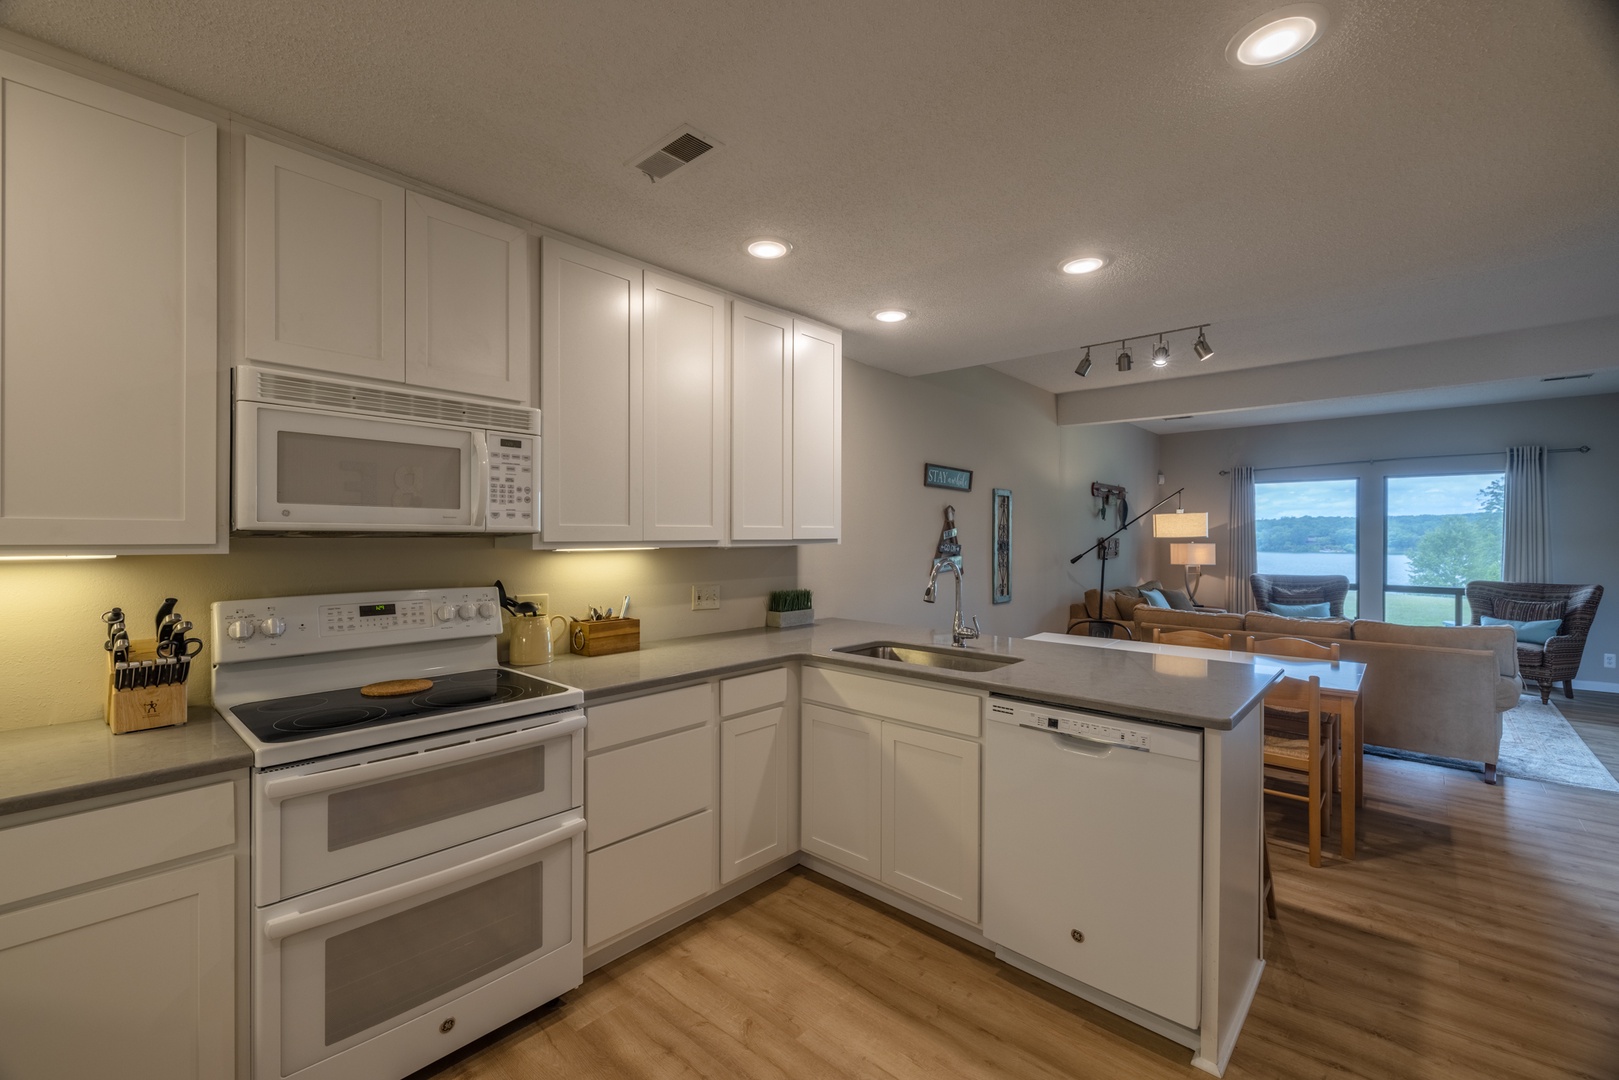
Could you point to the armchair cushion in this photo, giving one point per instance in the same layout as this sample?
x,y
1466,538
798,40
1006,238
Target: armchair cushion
x,y
1330,589
1527,633
1323,610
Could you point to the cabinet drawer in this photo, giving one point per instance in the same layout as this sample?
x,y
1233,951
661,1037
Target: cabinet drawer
x,y
634,882
925,706
114,840
747,693
620,722
633,789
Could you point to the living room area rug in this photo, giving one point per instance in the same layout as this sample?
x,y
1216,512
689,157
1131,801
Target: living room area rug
x,y
1537,743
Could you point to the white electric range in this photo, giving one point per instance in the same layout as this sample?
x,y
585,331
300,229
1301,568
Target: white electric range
x,y
418,856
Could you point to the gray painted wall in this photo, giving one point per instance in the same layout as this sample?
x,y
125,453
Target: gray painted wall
x,y
1582,488
1006,432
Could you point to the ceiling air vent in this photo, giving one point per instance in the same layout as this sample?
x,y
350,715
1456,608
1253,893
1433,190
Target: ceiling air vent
x,y
1567,378
673,151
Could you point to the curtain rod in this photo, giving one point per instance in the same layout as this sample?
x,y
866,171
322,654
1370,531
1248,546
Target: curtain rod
x,y
1414,457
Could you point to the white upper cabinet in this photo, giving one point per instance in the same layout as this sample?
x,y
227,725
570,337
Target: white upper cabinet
x,y
590,395
109,317
817,431
761,423
786,427
684,411
325,265
466,302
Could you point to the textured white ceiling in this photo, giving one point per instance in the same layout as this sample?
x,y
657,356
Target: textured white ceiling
x,y
1430,169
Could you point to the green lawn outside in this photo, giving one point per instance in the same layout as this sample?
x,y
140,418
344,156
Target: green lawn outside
x,y
1415,609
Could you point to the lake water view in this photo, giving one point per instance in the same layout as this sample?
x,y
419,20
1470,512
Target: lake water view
x,y
1306,562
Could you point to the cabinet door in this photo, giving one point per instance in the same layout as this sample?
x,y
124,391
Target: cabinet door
x,y
684,411
325,265
930,818
842,778
109,339
817,432
756,792
466,302
761,423
135,981
590,394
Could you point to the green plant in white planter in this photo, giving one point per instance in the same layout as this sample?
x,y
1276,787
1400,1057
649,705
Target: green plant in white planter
x,y
790,607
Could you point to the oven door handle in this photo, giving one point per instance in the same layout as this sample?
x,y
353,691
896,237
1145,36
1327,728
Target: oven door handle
x,y
297,922
289,787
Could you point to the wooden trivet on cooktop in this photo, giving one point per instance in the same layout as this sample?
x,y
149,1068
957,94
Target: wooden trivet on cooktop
x,y
396,687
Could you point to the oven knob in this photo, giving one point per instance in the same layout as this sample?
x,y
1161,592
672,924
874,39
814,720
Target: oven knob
x,y
445,613
467,611
486,610
241,629
274,626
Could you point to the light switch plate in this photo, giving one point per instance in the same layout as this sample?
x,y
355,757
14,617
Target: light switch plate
x,y
705,597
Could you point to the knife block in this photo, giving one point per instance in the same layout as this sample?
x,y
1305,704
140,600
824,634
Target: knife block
x,y
149,707
602,637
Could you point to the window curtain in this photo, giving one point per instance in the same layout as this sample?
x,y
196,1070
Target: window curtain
x,y
1242,541
1526,550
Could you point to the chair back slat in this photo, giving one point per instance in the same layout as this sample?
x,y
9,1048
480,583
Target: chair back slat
x,y
1302,648
1197,639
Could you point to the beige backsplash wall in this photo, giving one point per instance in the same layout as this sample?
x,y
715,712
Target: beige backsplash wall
x,y
52,666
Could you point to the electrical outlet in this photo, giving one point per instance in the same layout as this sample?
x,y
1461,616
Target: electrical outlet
x,y
1607,659
538,599
705,597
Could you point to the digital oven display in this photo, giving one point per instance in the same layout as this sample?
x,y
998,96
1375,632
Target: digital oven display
x,y
368,610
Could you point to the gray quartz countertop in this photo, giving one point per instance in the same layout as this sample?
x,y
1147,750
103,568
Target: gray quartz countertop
x,y
47,766
1173,689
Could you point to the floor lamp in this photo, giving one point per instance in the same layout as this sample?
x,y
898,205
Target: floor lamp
x,y
1179,525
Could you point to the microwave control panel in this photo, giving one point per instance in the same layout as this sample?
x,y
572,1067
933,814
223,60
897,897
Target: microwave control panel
x,y
514,470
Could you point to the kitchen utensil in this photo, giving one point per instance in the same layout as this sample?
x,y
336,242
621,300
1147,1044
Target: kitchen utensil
x,y
116,615
530,641
624,608
165,629
163,613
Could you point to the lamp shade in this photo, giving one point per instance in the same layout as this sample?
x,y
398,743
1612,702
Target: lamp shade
x,y
1180,526
1191,554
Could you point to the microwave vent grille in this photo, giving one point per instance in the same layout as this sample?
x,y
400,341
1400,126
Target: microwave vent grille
x,y
285,389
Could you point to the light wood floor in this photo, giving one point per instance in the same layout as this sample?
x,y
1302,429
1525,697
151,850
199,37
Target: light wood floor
x,y
1476,935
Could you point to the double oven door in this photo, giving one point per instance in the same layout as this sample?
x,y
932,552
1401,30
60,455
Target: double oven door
x,y
413,897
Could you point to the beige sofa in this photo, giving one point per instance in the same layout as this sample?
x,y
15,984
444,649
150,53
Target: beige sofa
x,y
1431,689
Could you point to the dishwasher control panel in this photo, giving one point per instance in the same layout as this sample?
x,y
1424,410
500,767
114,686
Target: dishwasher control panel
x,y
1088,728
1102,730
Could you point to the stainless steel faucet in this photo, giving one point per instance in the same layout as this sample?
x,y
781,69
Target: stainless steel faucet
x,y
960,632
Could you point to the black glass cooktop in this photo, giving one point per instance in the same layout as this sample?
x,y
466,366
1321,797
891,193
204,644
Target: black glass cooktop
x,y
307,715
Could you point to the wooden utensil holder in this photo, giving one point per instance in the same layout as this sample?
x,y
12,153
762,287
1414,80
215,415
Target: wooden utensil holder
x,y
602,637
145,707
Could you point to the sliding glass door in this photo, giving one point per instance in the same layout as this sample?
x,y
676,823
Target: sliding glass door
x,y
1309,527
1440,532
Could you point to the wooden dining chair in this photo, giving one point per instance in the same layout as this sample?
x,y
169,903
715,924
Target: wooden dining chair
x,y
1196,639
1312,751
1301,648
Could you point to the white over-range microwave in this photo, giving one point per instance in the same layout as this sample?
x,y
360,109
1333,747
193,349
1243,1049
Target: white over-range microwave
x,y
316,454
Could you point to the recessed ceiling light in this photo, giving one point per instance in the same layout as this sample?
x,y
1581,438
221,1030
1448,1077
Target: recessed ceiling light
x,y
891,315
1276,36
1087,265
768,247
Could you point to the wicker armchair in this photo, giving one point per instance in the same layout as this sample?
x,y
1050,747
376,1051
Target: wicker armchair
x,y
1559,659
1300,589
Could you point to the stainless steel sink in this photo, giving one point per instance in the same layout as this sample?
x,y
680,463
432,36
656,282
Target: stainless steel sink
x,y
924,656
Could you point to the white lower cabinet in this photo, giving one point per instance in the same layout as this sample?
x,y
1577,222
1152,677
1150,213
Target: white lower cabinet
x,y
893,800
758,773
930,818
843,768
115,972
633,882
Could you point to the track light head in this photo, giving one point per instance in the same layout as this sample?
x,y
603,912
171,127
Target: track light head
x,y
1160,353
1124,356
1084,367
1201,346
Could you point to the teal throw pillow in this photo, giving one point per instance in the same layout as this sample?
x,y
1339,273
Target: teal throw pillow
x,y
1322,610
1535,632
1154,597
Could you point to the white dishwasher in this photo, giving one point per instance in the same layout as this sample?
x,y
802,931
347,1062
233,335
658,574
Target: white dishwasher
x,y
1093,851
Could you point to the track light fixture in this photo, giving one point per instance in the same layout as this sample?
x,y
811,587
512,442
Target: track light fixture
x,y
1201,346
1160,351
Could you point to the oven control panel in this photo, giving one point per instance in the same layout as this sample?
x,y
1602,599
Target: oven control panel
x,y
299,625
513,483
